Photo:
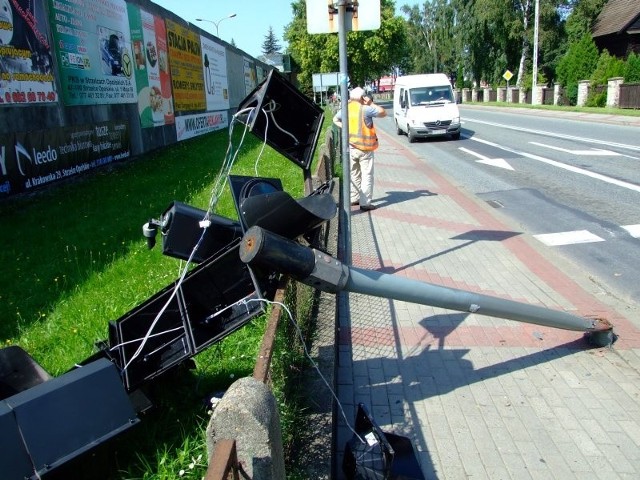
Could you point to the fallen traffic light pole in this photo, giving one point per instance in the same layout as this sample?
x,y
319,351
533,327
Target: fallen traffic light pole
x,y
324,272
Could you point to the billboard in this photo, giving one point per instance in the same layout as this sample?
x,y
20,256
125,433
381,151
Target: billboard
x,y
26,67
151,60
250,80
33,159
94,51
214,64
185,56
189,126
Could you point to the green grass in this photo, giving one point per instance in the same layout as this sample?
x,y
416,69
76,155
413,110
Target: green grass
x,y
74,258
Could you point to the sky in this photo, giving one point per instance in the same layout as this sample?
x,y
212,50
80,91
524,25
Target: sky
x,y
250,26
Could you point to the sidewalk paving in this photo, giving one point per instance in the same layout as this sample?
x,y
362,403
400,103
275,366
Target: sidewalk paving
x,y
481,397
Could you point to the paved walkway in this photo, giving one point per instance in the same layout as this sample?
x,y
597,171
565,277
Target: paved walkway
x,y
482,397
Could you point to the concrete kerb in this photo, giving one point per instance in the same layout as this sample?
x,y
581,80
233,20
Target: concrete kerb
x,y
248,413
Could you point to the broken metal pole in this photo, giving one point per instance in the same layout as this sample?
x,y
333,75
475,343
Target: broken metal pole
x,y
322,271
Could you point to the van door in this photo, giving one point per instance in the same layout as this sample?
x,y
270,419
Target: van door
x,y
400,110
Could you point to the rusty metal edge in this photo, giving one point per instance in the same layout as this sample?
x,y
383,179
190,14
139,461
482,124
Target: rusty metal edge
x,y
223,461
261,369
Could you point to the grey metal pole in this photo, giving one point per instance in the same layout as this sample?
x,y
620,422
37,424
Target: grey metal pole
x,y
346,164
322,271
401,288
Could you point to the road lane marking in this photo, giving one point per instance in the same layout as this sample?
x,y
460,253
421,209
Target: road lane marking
x,y
634,230
593,151
635,148
568,238
571,168
494,162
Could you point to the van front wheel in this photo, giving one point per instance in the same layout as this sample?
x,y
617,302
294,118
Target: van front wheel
x,y
398,129
456,136
411,135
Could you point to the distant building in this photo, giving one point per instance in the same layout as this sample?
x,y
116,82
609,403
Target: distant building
x,y
279,61
386,84
617,28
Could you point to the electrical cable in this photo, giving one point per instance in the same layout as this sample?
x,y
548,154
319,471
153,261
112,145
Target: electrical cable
x,y
227,164
313,363
274,108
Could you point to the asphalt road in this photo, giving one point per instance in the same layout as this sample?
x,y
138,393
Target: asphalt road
x,y
573,185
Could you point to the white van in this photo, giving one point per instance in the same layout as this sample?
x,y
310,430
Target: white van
x,y
424,106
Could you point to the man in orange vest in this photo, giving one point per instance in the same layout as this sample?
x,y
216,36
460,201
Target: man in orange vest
x,y
363,141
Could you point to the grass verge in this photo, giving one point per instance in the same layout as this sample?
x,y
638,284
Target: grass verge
x,y
74,258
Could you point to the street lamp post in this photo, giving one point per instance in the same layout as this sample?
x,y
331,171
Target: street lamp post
x,y
215,23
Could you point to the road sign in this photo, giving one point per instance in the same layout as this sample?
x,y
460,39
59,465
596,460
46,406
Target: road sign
x,y
322,16
507,75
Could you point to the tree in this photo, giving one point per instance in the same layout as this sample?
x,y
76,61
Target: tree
x,y
270,44
578,64
370,54
582,14
431,33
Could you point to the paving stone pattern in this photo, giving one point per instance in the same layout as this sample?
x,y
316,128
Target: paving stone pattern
x,y
481,397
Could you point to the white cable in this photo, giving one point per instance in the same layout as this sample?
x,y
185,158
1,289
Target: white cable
x,y
150,336
273,108
313,363
219,184
264,142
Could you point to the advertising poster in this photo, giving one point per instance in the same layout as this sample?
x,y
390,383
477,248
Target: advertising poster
x,y
185,57
250,81
94,51
261,74
151,60
34,159
216,86
26,67
189,126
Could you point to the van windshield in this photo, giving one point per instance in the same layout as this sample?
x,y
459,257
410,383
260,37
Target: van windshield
x,y
430,95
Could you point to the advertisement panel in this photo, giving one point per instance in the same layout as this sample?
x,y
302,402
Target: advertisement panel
x,y
189,126
94,51
250,81
33,159
214,63
153,79
26,67
187,78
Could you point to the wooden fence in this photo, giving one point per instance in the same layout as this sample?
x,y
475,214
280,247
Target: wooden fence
x,y
630,95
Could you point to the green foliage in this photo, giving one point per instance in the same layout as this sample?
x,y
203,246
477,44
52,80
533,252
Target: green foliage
x,y
580,21
527,80
371,53
578,64
632,69
460,77
606,68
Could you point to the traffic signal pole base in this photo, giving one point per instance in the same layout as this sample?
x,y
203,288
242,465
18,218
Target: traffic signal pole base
x,y
328,274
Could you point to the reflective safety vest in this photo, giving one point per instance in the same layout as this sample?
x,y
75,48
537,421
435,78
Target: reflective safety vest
x,y
360,136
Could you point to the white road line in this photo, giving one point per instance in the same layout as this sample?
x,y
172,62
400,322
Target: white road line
x,y
568,238
635,148
571,168
593,151
634,230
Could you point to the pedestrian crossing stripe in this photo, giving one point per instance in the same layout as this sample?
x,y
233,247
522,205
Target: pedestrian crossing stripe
x,y
568,238
634,230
